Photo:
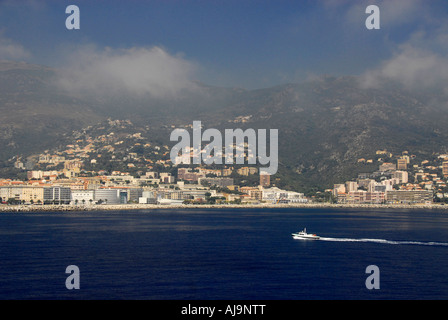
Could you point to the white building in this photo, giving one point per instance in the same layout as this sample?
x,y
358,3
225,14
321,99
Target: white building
x,y
277,195
107,196
338,188
166,177
351,186
148,197
402,176
83,197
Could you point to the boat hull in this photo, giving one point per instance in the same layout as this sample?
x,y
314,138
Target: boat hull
x,y
306,238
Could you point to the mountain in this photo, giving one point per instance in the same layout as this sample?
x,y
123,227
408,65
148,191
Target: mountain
x,y
35,113
324,125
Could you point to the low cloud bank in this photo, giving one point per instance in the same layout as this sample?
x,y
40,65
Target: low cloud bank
x,y
136,71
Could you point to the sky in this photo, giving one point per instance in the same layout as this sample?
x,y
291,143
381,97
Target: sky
x,y
161,46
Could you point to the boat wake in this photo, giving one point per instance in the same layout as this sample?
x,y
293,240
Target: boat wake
x,y
384,241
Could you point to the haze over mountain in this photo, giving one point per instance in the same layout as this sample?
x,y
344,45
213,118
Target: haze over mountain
x,y
324,124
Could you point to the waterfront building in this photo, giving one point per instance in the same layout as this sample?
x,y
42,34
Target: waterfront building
x,y
23,194
361,197
276,195
32,194
57,195
123,196
254,193
134,194
86,197
148,197
409,196
173,195
107,196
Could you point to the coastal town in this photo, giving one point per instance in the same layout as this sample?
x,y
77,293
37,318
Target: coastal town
x,y
109,165
400,179
118,166
48,187
392,183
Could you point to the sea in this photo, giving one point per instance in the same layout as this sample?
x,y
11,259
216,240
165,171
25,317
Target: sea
x,y
225,254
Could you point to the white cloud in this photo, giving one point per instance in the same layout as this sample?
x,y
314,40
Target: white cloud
x,y
414,67
9,50
421,61
141,71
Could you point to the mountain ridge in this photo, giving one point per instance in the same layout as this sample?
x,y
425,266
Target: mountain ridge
x,y
324,125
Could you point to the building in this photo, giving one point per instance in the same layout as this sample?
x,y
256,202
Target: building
x,y
39,174
409,196
245,171
387,166
84,197
407,158
148,197
123,196
219,182
57,195
265,180
34,175
445,168
195,194
173,195
253,192
107,196
24,194
379,188
134,194
351,186
362,197
338,188
166,177
402,164
402,176
276,195
121,179
365,183
187,175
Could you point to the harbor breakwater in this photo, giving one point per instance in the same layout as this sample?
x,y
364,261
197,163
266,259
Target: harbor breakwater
x,y
127,207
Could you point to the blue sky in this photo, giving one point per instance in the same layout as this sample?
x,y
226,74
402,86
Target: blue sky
x,y
244,43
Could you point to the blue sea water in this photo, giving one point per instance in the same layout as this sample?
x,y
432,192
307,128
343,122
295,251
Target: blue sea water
x,y
214,254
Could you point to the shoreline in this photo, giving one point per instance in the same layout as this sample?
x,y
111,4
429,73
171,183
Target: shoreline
x,y
130,207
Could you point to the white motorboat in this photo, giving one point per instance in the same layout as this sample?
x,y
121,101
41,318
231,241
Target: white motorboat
x,y
303,235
